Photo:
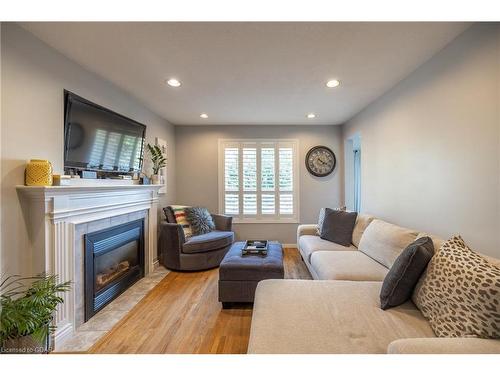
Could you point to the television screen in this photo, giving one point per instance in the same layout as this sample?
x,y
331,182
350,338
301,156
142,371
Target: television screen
x,y
96,138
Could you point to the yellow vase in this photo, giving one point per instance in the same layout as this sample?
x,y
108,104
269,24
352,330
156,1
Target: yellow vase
x,y
38,173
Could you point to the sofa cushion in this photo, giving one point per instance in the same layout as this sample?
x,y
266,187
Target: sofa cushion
x,y
346,265
208,242
460,293
308,244
338,226
437,241
404,274
303,316
443,345
362,222
384,242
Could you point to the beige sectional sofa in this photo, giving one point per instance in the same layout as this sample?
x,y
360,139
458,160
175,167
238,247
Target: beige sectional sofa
x,y
339,311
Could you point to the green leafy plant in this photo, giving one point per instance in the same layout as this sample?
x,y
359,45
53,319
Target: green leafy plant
x,y
157,158
28,305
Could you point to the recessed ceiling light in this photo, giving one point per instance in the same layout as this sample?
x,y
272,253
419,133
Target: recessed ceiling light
x,y
311,115
204,115
173,82
333,83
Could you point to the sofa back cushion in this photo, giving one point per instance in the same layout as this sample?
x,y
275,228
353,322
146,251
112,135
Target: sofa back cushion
x,y
460,293
362,222
384,242
437,241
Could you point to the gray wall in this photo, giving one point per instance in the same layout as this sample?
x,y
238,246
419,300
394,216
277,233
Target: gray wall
x,y
33,78
197,166
430,146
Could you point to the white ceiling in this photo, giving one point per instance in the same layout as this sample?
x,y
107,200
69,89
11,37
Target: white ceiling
x,y
250,73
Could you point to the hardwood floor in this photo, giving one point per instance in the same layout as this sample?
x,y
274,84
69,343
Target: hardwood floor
x,y
182,315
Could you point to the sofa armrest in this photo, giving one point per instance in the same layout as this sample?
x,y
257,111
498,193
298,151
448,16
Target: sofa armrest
x,y
306,229
223,222
443,345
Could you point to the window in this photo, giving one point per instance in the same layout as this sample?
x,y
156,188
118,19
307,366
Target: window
x,y
258,180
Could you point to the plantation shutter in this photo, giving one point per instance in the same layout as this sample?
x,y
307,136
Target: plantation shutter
x,y
258,181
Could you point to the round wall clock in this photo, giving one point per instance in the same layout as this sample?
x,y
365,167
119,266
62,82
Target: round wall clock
x,y
320,161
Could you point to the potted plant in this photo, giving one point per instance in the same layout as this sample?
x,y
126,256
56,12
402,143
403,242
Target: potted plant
x,y
158,161
27,309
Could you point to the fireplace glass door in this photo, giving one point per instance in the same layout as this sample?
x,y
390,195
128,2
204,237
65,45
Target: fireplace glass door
x,y
114,260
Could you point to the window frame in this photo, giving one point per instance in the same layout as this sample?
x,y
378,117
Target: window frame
x,y
277,218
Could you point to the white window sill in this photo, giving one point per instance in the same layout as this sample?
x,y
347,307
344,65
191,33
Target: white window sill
x,y
265,221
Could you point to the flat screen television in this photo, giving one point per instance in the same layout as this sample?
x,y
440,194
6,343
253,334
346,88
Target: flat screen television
x,y
98,139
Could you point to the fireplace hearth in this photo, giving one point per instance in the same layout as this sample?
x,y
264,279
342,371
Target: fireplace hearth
x,y
114,260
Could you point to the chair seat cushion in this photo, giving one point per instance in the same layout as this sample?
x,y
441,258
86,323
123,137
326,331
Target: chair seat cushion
x,y
347,265
207,242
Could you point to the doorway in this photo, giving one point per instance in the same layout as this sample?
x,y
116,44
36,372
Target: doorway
x,y
353,173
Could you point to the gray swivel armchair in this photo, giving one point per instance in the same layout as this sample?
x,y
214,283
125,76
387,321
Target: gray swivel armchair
x,y
196,253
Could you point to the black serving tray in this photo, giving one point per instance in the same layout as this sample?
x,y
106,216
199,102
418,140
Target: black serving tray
x,y
257,247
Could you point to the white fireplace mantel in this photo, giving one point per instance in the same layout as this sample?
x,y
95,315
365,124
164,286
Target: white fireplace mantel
x,y
51,214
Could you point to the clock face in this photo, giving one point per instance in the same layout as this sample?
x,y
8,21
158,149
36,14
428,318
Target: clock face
x,y
320,161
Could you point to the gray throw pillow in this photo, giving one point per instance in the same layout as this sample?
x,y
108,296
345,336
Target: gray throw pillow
x,y
200,220
321,217
338,226
404,274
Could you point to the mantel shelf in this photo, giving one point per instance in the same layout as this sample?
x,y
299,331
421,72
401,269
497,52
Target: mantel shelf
x,y
75,189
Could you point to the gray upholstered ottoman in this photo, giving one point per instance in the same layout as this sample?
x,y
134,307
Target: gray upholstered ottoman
x,y
240,274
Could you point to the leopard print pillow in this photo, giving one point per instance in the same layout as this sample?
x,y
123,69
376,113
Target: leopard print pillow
x,y
460,293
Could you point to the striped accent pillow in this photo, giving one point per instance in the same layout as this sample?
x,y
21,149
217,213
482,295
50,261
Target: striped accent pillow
x,y
180,218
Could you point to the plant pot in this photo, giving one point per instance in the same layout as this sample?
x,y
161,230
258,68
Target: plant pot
x,y
156,179
26,345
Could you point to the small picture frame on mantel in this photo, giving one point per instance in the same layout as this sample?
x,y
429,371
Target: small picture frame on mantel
x,y
163,171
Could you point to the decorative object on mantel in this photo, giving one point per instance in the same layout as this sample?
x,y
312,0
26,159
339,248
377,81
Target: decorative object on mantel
x,y
61,180
163,171
38,173
144,180
158,160
320,161
27,312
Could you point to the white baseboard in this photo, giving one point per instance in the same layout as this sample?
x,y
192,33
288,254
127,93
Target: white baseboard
x,y
289,245
62,334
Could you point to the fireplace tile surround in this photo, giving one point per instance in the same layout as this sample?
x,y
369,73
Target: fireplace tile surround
x,y
57,218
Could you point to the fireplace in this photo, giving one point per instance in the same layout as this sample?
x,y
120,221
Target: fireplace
x,y
114,260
